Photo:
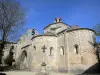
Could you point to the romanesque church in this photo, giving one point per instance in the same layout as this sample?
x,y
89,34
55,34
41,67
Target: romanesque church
x,y
61,48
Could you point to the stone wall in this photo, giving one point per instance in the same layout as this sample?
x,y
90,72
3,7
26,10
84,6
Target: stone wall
x,y
69,51
23,45
56,27
50,42
62,60
84,57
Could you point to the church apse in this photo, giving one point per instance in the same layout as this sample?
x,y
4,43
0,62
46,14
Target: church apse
x,y
50,52
80,52
67,48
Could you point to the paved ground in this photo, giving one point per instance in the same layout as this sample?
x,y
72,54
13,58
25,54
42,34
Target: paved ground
x,y
18,73
31,73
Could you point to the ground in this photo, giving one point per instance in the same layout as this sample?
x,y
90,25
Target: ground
x,y
31,73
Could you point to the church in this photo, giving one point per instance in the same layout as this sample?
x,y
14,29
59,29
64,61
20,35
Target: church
x,y
61,48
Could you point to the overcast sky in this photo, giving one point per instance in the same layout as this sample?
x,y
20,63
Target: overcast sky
x,y
40,13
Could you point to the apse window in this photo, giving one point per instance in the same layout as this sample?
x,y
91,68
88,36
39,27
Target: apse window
x,y
62,50
51,51
76,49
34,47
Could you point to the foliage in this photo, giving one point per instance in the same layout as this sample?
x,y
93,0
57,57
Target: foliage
x,y
12,18
97,29
9,58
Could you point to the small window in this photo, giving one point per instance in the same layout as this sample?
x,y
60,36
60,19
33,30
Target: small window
x,y
76,49
34,47
51,50
62,50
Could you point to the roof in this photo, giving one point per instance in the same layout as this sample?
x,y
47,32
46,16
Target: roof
x,y
48,33
69,30
42,35
56,23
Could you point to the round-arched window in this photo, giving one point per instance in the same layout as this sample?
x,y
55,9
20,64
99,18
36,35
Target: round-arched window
x,y
34,47
62,50
76,49
51,51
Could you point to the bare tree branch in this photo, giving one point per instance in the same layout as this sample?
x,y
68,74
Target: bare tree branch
x,y
12,18
97,29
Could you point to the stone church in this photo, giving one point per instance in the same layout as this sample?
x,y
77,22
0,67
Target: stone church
x,y
61,48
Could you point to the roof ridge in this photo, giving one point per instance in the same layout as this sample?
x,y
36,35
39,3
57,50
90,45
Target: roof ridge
x,y
56,23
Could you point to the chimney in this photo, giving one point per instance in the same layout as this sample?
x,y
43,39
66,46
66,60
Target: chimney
x,y
57,20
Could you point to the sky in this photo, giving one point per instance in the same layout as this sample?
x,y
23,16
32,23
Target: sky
x,y
40,13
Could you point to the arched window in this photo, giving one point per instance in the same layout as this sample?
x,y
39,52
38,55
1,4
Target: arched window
x,y
62,50
51,51
76,49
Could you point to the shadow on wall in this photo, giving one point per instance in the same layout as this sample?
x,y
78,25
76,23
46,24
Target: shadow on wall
x,y
95,69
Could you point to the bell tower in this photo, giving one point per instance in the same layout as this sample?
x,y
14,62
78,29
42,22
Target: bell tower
x,y
58,20
32,32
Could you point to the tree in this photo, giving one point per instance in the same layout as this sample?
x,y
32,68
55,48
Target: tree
x,y
12,18
9,58
97,29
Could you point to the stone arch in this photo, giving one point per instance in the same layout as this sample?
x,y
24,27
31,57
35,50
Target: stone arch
x,y
23,60
23,55
76,49
62,50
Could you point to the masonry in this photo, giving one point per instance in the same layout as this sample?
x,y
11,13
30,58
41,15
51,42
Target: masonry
x,y
68,49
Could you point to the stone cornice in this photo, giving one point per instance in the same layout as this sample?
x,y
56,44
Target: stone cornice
x,y
26,46
42,35
76,30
